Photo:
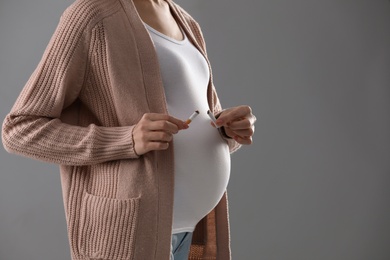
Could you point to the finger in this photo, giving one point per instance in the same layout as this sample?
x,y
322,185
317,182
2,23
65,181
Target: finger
x,y
165,117
240,124
180,123
164,126
158,136
157,146
242,140
233,114
243,133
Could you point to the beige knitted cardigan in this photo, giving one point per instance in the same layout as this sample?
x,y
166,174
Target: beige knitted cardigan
x,y
97,77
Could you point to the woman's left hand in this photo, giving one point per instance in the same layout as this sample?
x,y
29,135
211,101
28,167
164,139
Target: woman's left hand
x,y
238,123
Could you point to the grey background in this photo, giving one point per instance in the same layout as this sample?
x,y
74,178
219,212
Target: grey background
x,y
316,182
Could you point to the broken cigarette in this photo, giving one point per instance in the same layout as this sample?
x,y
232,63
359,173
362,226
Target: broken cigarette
x,y
195,114
211,115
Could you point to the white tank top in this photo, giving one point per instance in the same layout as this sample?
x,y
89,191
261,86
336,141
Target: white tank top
x,y
201,155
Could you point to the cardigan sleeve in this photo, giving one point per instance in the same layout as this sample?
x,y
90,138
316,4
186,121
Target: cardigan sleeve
x,y
33,127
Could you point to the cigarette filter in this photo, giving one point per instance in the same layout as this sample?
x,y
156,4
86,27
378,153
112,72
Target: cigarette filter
x,y
195,114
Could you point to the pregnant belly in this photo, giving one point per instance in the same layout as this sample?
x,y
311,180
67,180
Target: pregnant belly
x,y
202,171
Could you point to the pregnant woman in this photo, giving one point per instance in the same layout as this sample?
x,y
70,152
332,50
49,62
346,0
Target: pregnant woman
x,y
108,104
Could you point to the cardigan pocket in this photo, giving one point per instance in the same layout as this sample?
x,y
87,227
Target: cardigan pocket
x,y
108,227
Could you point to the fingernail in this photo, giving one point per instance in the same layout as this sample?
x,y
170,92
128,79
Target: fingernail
x,y
219,121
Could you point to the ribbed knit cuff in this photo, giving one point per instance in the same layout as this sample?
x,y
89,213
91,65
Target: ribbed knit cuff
x,y
122,143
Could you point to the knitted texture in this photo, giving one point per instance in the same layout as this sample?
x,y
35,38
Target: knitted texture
x,y
33,127
98,75
118,215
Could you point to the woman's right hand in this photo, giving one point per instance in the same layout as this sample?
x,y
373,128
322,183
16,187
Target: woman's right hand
x,y
155,131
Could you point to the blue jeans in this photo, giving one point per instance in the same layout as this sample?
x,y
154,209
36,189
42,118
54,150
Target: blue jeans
x,y
180,247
